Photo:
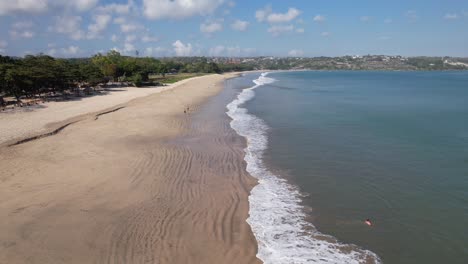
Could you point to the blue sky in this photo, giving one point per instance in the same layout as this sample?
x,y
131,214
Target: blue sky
x,y
77,28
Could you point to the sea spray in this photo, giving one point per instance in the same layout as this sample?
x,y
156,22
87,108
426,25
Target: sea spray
x,y
276,215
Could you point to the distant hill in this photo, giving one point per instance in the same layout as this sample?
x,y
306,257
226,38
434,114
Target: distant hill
x,y
368,62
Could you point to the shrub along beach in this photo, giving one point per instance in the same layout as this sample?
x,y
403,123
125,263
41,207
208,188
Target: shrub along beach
x,y
35,78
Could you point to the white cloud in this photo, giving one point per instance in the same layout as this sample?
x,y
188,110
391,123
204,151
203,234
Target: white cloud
x,y
172,9
71,50
295,53
114,38
83,5
100,24
283,18
10,7
130,38
365,18
182,49
262,14
69,25
450,16
117,8
27,34
234,51
300,30
239,25
78,35
211,27
3,45
119,20
412,15
217,51
148,38
51,52
249,51
23,6
231,4
266,14
126,28
22,34
319,18
150,51
388,21
325,34
278,30
129,48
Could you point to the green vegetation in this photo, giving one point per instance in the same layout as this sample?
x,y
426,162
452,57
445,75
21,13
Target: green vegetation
x,y
438,63
45,76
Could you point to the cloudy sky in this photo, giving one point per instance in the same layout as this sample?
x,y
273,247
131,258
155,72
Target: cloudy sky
x,y
77,28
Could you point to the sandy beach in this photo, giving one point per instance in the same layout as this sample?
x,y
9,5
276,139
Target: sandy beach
x,y
143,184
25,122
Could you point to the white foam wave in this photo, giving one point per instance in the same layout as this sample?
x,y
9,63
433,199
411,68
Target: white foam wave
x,y
276,216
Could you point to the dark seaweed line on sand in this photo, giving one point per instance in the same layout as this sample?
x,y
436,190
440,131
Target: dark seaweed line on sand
x,y
56,131
108,112
42,135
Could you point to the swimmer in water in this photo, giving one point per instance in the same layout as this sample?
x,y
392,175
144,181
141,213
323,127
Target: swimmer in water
x,y
368,222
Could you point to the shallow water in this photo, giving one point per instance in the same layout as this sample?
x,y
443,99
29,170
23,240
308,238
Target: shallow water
x,y
390,146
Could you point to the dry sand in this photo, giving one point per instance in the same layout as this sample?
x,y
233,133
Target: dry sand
x,y
144,184
24,123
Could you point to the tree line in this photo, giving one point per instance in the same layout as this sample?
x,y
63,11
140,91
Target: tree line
x,y
42,74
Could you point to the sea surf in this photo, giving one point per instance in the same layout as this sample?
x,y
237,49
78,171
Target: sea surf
x,y
277,216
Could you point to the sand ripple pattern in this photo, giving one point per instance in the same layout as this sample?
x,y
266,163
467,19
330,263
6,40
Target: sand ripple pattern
x,y
208,190
145,184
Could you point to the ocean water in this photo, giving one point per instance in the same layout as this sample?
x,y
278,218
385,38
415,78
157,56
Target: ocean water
x,y
331,149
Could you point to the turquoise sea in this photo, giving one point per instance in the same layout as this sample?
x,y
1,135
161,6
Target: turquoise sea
x,y
331,149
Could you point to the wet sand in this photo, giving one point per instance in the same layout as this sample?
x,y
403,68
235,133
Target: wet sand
x,y
143,184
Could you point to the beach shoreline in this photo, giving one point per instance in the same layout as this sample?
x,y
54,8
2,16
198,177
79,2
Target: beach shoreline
x,y
146,183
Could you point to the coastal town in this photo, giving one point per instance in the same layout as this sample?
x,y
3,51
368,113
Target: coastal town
x,y
350,62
